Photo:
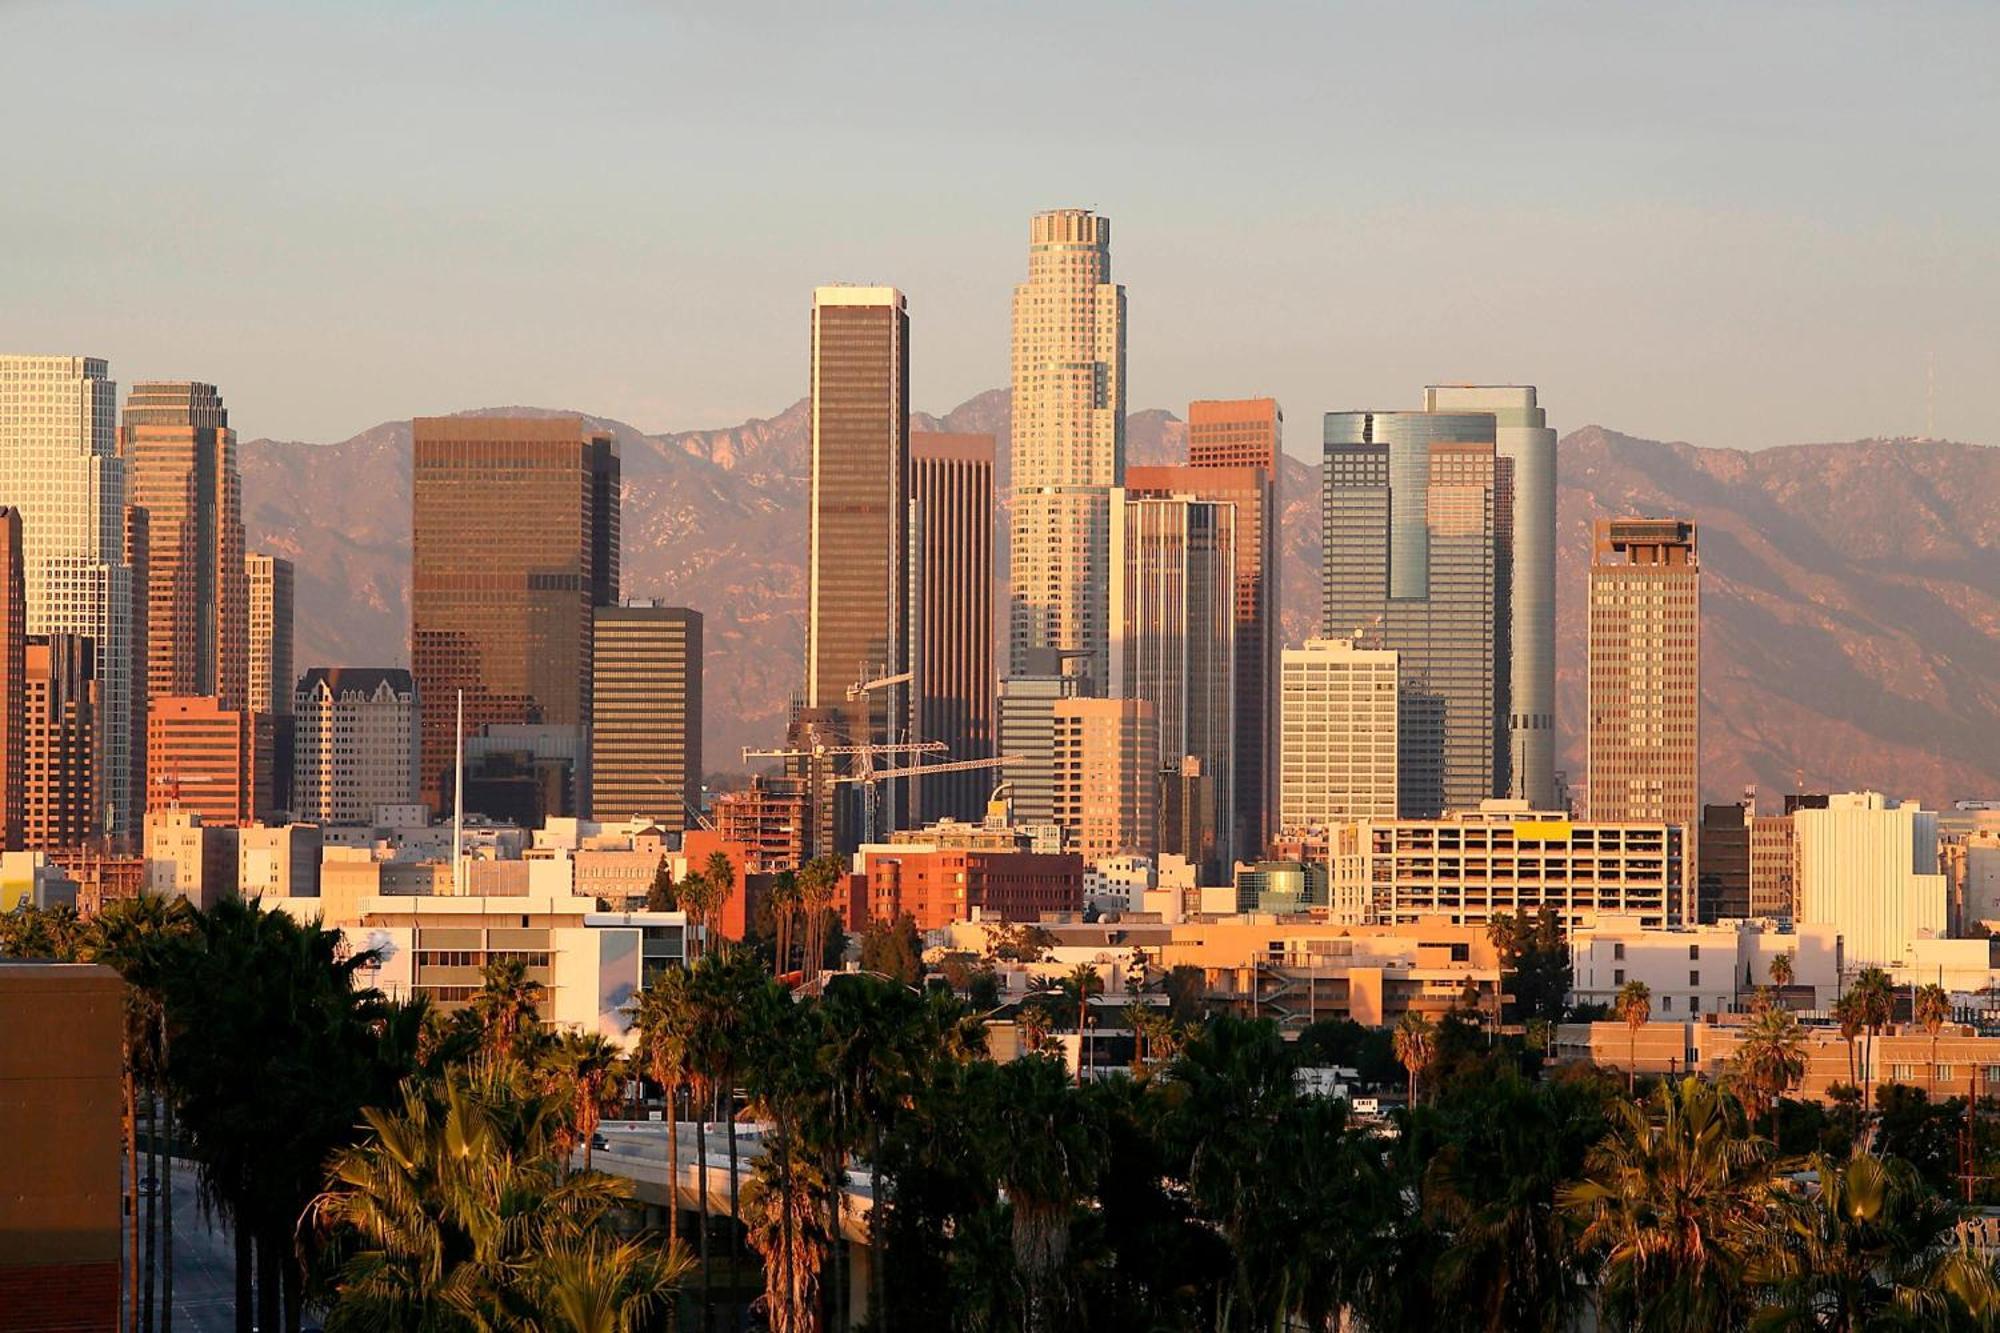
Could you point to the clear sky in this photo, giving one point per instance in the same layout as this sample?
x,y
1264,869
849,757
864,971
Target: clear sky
x,y
1735,223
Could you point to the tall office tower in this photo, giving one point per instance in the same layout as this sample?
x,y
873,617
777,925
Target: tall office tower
x,y
355,747
1173,635
1525,444
951,617
1184,818
1338,739
13,668
59,466
271,678
139,562
1773,866
1068,445
213,760
1107,764
61,741
1415,561
1226,440
180,466
514,544
645,731
1026,708
270,675
1644,674
1722,892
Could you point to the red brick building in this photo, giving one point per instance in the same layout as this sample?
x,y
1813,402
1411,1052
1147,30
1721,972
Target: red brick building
x,y
938,886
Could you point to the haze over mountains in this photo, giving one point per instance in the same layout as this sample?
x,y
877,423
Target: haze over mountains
x,y
1851,592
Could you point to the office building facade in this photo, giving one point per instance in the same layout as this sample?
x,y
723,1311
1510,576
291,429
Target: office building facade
x,y
62,743
1415,562
1868,867
271,678
213,760
1068,441
59,466
1644,683
951,610
1026,708
1106,763
1337,748
13,681
515,542
645,734
355,743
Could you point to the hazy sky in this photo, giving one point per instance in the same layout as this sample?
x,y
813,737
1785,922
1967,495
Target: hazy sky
x,y
1737,224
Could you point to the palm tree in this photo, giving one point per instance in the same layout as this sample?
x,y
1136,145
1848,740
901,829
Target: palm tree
x,y
1876,997
783,899
1082,982
783,1207
507,1005
1635,1006
1848,1012
1669,1203
585,1067
1931,1007
720,872
1770,1061
1415,1041
1035,1022
1867,1245
1781,970
818,882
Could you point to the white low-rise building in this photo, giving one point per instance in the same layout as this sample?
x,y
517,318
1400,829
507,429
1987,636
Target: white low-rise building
x,y
1696,970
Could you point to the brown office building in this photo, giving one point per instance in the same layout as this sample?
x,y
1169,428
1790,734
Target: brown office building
x,y
1106,767
953,611
645,734
271,677
514,536
139,559
62,787
180,466
13,682
1645,672
1235,432
212,760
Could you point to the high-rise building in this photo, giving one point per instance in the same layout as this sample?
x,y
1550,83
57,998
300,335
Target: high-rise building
x,y
1068,445
1235,448
514,544
212,760
1337,752
13,680
1774,858
271,678
61,743
59,466
139,563
1868,866
180,466
1107,762
1415,562
1722,891
951,609
1527,448
1644,684
1173,635
1184,817
1026,709
645,733
354,743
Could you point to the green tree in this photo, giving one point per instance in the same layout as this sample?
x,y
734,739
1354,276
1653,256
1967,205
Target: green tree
x,y
1535,964
894,949
1078,988
820,881
1635,1007
1187,989
1415,1041
1931,1008
1781,970
1850,1013
662,1019
1770,1061
584,1067
1670,1204
660,894
506,1009
1876,1003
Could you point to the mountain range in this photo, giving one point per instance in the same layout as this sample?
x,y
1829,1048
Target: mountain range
x,y
1851,592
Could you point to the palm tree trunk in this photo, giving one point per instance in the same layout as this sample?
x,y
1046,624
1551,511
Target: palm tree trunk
x,y
837,1286
735,1217
152,1209
246,1263
270,1281
701,1217
167,1198
880,1302
673,1164
1632,1062
295,1292
131,1091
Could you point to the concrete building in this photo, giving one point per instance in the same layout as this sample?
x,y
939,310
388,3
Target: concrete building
x,y
1773,866
1026,704
645,735
771,818
210,759
1644,684
1703,969
514,543
1068,441
354,743
1106,756
937,886
59,466
189,858
1173,635
271,678
278,861
1869,868
1526,450
1722,889
13,682
1417,560
1337,753
180,466
951,605
60,1145
62,793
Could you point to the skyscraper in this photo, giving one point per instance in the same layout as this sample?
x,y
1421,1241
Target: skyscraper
x,y
1527,447
180,466
1416,561
857,617
645,733
1026,708
355,747
1339,736
213,760
1235,449
1068,445
59,466
1644,685
139,564
514,543
61,743
1107,764
271,677
13,679
952,616
1173,634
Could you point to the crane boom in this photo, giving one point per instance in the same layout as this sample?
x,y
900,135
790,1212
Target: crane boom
x,y
919,770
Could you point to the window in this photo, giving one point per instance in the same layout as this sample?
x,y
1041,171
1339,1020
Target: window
x,y
1694,978
1618,977
1666,1004
1944,1074
1694,1004
1902,1073
1694,953
1618,953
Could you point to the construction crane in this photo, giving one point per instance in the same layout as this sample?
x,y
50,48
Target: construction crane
x,y
867,780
